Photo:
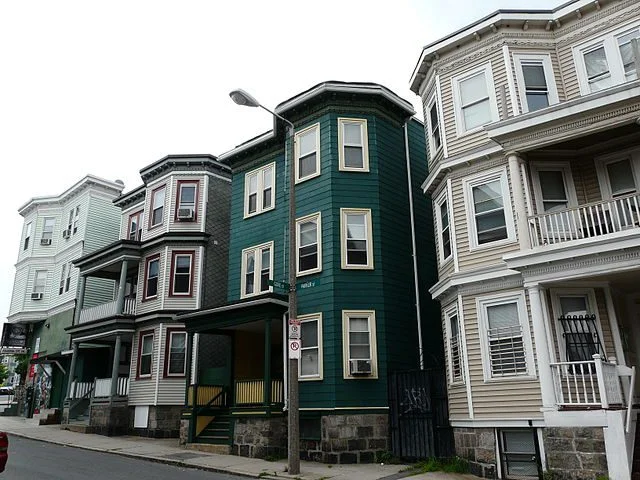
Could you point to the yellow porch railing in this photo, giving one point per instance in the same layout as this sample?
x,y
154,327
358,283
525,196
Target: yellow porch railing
x,y
205,393
251,392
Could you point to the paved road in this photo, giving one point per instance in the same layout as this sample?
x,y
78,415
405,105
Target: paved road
x,y
33,460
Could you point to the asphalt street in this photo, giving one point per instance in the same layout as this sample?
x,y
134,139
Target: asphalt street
x,y
30,459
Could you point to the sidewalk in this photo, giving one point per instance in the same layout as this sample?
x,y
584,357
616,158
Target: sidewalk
x,y
167,451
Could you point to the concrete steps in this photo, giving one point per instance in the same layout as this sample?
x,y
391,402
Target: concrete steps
x,y
49,416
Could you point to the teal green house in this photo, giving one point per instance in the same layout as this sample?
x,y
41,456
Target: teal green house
x,y
363,243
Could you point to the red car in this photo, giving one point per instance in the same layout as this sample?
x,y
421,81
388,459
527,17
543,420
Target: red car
x,y
4,450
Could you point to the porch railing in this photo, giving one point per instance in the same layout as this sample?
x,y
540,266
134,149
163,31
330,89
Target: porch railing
x,y
251,392
107,310
103,387
80,389
207,395
592,384
585,221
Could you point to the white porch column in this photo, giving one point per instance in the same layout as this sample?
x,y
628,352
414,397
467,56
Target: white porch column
x,y
82,282
122,285
520,216
115,367
542,348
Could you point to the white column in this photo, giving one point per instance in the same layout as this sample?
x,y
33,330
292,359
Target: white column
x,y
520,216
542,348
115,367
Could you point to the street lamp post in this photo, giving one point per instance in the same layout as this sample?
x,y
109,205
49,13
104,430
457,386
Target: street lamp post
x,y
243,98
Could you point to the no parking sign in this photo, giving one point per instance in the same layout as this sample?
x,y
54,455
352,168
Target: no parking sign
x,y
294,348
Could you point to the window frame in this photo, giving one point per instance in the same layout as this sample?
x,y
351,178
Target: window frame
x,y
440,199
364,137
179,185
567,174
482,304
373,350
433,102
167,352
76,220
174,263
63,276
141,336
257,272
147,263
344,212
259,172
448,313
153,206
545,60
305,131
487,71
311,317
481,179
307,218
138,235
601,163
46,232
35,281
28,230
556,309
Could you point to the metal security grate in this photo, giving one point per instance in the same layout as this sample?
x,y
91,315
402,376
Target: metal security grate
x,y
519,456
506,351
581,337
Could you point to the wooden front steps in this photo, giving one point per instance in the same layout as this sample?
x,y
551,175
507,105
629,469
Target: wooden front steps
x,y
217,432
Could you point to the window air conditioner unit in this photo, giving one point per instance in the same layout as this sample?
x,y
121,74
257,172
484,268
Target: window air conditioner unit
x,y
360,367
45,241
36,295
66,234
185,214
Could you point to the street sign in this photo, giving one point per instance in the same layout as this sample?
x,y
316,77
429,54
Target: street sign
x,y
309,284
279,284
294,348
294,331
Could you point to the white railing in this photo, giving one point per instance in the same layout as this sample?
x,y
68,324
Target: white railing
x,y
103,387
80,389
107,310
586,221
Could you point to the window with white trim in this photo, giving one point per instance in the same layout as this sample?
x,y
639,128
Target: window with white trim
x,y
74,218
359,344
554,194
145,355
356,236
187,193
443,226
607,61
307,153
256,270
27,235
353,145
310,362
176,354
157,206
151,277
309,244
474,99
506,342
39,281
536,83
135,226
619,180
490,216
65,278
259,190
454,344
181,273
47,229
433,125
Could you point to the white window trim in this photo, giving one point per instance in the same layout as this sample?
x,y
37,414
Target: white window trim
x,y
365,144
140,374
590,293
603,175
315,126
449,312
434,151
320,376
479,179
457,101
49,234
35,278
318,217
257,270
28,230
260,190
371,314
610,43
565,168
552,89
343,238
168,354
174,266
154,207
481,308
442,198
145,286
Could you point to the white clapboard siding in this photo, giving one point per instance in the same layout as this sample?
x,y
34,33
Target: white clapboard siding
x,y
457,394
142,391
183,302
22,252
170,390
19,293
147,233
102,226
198,224
98,291
38,249
145,306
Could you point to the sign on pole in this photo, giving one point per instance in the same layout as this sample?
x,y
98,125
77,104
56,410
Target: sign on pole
x,y
279,284
294,348
294,331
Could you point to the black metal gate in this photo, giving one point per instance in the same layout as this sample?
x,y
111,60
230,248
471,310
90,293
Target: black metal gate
x,y
419,417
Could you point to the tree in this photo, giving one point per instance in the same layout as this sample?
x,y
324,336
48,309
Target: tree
x,y
22,366
4,373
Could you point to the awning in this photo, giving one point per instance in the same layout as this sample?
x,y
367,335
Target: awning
x,y
52,359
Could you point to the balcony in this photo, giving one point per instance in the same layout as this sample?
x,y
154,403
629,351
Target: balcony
x,y
588,221
108,310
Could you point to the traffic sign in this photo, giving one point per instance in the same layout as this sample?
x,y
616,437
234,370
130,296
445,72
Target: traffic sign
x,y
294,331
308,284
294,348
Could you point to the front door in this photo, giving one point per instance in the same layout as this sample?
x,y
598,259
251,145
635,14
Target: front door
x,y
214,360
519,453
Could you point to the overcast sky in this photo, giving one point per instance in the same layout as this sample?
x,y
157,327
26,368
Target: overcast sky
x,y
109,87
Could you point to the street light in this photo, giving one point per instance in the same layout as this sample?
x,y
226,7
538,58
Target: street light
x,y
243,98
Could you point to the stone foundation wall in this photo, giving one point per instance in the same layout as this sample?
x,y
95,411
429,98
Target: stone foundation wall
x,y
184,431
260,437
163,422
478,447
109,419
575,453
349,439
